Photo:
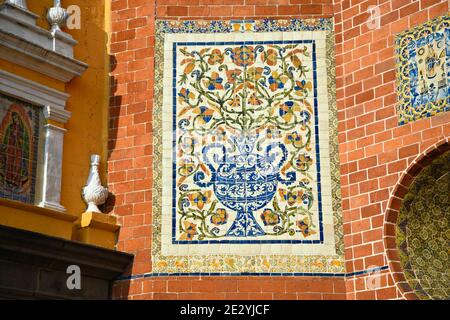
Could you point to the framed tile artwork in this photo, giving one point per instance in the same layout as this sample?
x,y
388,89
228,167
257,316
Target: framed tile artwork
x,y
423,70
246,176
19,140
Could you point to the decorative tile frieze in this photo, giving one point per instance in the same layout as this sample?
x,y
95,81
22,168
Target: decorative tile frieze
x,y
246,144
423,70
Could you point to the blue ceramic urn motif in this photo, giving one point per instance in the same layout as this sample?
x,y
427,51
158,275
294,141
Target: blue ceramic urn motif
x,y
245,181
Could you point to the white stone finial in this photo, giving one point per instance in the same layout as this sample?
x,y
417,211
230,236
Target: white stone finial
x,y
57,16
94,193
19,3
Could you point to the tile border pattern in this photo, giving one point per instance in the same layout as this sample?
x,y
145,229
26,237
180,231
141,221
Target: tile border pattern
x,y
249,274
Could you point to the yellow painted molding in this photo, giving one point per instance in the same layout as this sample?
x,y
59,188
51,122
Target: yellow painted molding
x,y
36,219
99,220
31,75
97,229
55,123
37,210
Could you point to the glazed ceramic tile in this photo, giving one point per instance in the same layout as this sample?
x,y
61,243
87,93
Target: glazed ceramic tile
x,y
423,231
19,138
247,168
423,70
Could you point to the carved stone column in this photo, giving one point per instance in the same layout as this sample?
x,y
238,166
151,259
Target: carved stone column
x,y
52,162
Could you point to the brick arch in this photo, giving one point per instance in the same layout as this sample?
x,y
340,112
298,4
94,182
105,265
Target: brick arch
x,y
401,189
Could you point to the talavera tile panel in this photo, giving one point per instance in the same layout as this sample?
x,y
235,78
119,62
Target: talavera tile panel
x,y
19,138
246,176
423,70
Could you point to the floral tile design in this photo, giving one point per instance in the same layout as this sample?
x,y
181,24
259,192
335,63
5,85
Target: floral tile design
x,y
253,180
245,113
423,70
19,138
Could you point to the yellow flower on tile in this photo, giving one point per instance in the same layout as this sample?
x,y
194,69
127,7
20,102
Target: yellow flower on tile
x,y
266,264
231,262
190,230
336,263
215,264
180,264
199,199
318,264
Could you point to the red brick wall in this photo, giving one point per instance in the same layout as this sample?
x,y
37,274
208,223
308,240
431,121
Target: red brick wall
x,y
237,9
232,288
374,150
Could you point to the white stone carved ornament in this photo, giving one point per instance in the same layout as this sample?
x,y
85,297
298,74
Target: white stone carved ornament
x,y
94,193
57,16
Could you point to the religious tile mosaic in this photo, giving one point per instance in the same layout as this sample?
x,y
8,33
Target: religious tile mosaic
x,y
423,231
423,70
246,176
19,138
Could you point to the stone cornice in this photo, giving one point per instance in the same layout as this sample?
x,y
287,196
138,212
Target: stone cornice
x,y
52,100
36,267
56,114
19,13
109,263
28,45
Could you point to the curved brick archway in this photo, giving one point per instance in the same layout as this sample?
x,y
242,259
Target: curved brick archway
x,y
392,213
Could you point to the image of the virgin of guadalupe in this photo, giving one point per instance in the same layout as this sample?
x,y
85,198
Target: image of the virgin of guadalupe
x,y
15,135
